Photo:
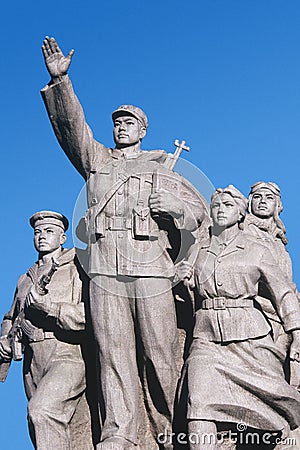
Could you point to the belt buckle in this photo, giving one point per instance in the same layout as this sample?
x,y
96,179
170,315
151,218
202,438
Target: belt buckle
x,y
219,303
116,224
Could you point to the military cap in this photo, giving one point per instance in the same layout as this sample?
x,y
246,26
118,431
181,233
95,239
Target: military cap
x,y
49,217
134,111
266,185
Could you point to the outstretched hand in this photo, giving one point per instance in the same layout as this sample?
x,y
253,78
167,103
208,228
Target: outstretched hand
x,y
56,62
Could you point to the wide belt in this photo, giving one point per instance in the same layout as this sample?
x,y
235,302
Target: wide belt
x,y
224,303
40,335
117,223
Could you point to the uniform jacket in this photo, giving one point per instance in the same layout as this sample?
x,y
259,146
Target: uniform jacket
x,y
235,274
124,238
64,289
270,236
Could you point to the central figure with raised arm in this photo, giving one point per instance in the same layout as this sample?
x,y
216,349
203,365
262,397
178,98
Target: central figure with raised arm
x,y
128,223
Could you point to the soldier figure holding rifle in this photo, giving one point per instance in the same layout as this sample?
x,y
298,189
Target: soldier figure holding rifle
x,y
50,317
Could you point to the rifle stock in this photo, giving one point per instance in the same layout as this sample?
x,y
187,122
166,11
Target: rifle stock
x,y
4,368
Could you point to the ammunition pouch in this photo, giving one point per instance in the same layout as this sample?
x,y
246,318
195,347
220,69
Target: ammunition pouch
x,y
141,221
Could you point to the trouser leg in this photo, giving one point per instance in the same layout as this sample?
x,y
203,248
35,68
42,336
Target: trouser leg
x,y
52,404
113,324
156,319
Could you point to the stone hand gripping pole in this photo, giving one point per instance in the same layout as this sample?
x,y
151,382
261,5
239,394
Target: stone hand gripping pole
x,y
169,163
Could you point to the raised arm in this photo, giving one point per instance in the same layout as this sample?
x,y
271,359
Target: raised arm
x,y
65,112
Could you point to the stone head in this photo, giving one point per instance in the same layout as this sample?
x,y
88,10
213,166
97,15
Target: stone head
x,y
228,207
265,200
130,125
49,230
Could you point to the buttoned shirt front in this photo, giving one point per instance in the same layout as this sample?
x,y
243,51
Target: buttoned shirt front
x,y
234,273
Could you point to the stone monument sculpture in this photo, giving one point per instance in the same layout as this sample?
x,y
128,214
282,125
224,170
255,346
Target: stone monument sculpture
x,y
47,323
234,371
145,227
129,225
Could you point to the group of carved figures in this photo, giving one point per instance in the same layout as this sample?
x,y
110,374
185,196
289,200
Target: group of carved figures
x,y
100,342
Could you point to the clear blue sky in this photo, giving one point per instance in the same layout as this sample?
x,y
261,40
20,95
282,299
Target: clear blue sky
x,y
223,75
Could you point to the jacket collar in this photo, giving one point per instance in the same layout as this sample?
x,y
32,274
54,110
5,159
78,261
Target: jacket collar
x,y
149,155
67,255
237,243
262,224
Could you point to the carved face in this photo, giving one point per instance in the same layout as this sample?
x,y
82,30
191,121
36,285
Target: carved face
x,y
48,238
224,211
128,131
263,203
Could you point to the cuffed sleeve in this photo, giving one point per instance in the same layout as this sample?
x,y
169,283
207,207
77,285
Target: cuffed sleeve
x,y
70,317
